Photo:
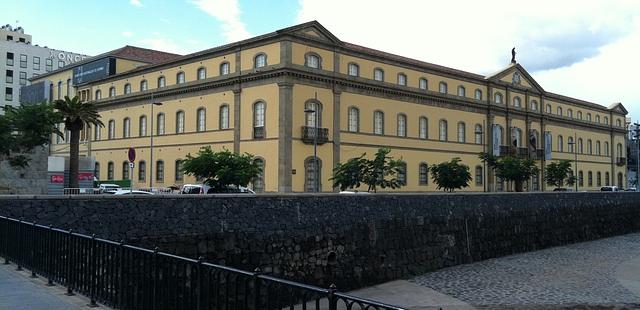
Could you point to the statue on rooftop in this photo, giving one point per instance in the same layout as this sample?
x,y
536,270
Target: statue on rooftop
x,y
513,55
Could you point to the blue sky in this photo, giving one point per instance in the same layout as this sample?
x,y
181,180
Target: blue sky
x,y
582,49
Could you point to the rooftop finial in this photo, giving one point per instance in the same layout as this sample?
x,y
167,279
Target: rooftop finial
x,y
513,55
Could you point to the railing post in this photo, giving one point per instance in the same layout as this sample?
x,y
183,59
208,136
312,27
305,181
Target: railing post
x,y
333,300
18,258
199,284
256,287
69,274
49,257
154,281
6,243
93,274
121,274
33,251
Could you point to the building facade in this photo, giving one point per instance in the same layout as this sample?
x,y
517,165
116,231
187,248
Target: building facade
x,y
251,96
21,61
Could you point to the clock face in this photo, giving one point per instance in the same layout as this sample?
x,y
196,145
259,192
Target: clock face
x,y
516,78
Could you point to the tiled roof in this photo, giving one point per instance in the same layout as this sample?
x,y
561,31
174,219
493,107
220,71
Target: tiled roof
x,y
142,54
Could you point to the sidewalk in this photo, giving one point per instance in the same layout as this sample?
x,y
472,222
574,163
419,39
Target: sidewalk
x,y
18,291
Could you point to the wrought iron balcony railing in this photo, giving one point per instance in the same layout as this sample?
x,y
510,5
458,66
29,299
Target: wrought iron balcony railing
x,y
310,133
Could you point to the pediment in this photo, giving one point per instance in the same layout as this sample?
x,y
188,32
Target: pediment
x,y
517,76
312,30
619,108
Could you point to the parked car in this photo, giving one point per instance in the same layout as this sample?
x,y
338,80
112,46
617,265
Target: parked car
x,y
131,192
106,188
609,189
630,189
199,189
354,192
194,189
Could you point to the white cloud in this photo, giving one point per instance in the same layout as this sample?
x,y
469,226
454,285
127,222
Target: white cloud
x,y
127,34
136,3
582,49
228,13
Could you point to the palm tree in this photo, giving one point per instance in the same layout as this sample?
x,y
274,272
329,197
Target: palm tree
x,y
76,115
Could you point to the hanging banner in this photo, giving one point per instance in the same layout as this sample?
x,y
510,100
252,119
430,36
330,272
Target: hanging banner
x,y
547,145
533,140
496,140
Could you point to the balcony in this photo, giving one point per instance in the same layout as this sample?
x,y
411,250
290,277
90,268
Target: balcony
x,y
258,132
309,133
621,161
537,154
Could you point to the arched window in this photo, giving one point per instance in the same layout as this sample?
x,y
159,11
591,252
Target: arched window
x,y
619,150
478,94
618,123
98,94
312,61
598,179
202,73
479,176
112,130
497,98
580,115
258,120
580,146
606,179
402,174
620,183
559,111
162,82
590,178
402,125
125,170
606,148
313,176
127,88
110,170
569,113
59,89
159,171
354,69
516,137
580,179
225,68
257,183
423,84
560,144
179,175
378,74
126,127
142,171
160,124
260,61
588,117
548,109
310,118
180,77
589,147
570,144
143,85
534,105
598,119
598,151
423,174
96,171
180,122
606,120
112,91
402,79
461,91
97,133
443,88
478,131
142,126
354,119
224,116
424,128
516,102
378,122
461,132
201,119
443,130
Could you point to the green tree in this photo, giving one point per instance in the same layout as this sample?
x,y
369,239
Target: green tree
x,y
76,115
221,169
451,175
557,173
25,127
511,168
379,172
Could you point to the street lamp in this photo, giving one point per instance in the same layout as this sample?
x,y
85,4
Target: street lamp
x,y
151,144
575,152
315,146
484,163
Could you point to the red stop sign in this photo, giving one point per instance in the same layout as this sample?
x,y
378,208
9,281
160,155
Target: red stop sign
x,y
132,154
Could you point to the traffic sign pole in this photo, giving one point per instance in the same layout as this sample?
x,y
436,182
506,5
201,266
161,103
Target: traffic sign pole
x,y
132,158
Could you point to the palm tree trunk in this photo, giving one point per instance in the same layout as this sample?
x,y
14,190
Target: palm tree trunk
x,y
74,150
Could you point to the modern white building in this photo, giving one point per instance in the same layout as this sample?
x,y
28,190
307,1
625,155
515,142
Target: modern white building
x,y
20,60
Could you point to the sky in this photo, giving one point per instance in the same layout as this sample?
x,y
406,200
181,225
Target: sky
x,y
588,50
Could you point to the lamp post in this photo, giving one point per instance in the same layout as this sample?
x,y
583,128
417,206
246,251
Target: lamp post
x,y
315,146
151,144
575,152
484,163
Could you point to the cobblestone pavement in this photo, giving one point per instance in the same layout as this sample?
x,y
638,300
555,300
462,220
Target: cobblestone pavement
x,y
579,276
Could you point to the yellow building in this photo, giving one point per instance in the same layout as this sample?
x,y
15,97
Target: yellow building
x,y
251,96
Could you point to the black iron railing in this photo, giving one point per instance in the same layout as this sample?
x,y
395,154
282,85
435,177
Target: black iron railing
x,y
128,277
321,135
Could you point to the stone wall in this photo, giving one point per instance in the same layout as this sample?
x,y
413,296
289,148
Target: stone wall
x,y
352,240
29,180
